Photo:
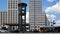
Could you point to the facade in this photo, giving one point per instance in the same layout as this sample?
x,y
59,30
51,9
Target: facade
x,y
3,17
10,16
12,11
36,17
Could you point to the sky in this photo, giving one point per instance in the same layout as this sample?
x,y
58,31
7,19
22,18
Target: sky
x,y
52,10
50,7
3,5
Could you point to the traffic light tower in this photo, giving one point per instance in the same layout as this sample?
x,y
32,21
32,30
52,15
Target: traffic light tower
x,y
22,16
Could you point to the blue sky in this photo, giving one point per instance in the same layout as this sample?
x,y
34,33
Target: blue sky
x,y
50,7
3,5
46,3
26,1
52,10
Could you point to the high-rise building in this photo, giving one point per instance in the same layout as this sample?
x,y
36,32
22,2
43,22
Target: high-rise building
x,y
3,17
10,16
12,11
36,17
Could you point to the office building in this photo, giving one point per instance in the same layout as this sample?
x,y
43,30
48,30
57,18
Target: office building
x,y
3,18
12,11
36,17
11,15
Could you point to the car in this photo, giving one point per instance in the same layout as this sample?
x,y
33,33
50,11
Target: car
x,y
36,31
4,31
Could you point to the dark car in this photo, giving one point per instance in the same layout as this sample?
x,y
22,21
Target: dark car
x,y
36,31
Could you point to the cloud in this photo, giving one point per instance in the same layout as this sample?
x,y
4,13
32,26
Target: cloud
x,y
55,8
51,10
47,15
57,23
51,16
27,17
51,0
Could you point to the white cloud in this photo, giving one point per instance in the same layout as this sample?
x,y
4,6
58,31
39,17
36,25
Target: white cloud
x,y
51,0
47,15
57,23
55,8
27,17
51,16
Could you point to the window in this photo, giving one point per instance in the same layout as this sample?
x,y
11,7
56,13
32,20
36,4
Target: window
x,y
27,26
23,17
23,8
22,11
27,30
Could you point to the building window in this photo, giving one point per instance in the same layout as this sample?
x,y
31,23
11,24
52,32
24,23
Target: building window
x,y
22,11
23,8
23,17
27,26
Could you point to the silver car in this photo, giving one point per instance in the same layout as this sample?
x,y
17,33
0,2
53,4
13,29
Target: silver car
x,y
4,31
